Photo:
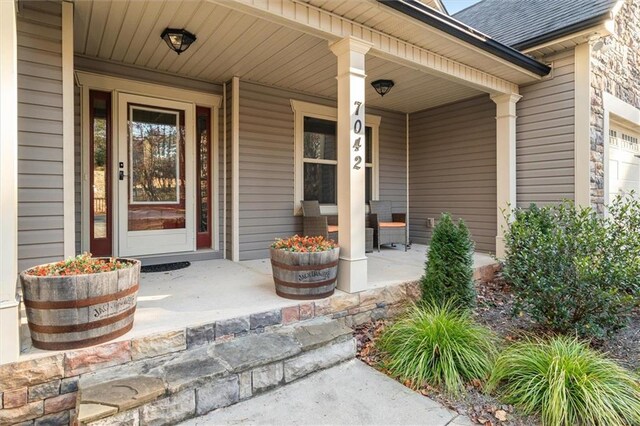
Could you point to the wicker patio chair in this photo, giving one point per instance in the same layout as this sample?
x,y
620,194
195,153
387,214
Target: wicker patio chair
x,y
388,227
315,224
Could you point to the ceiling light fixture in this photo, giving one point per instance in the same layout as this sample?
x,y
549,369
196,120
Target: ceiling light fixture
x,y
178,40
382,86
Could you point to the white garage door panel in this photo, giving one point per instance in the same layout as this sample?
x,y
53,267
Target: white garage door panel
x,y
624,164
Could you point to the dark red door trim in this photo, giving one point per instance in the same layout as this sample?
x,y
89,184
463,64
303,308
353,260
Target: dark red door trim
x,y
203,239
100,246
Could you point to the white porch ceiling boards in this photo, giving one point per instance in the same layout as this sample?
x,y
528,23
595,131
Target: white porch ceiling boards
x,y
231,43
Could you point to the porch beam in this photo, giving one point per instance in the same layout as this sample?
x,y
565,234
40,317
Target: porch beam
x,y
321,23
352,270
505,164
9,319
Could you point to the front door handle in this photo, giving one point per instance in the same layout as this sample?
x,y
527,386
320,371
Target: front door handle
x,y
121,175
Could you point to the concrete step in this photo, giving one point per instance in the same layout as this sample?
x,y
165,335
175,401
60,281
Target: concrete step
x,y
170,388
351,393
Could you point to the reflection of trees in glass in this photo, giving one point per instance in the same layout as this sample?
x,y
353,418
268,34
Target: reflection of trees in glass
x,y
203,173
320,160
99,142
154,154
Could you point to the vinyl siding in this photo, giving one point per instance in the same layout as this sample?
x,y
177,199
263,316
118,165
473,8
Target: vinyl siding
x,y
545,136
267,165
452,154
40,194
123,71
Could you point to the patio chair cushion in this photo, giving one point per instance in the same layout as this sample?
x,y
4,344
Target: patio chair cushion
x,y
332,228
392,224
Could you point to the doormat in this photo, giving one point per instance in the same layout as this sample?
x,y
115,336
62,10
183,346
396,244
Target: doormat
x,y
165,267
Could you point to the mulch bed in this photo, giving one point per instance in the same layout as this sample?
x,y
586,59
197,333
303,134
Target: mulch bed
x,y
494,310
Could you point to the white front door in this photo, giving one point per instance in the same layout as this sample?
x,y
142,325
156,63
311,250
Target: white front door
x,y
624,163
155,176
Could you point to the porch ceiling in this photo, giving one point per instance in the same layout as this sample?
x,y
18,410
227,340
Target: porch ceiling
x,y
231,43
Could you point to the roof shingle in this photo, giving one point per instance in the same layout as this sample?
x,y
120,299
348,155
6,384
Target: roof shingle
x,y
514,22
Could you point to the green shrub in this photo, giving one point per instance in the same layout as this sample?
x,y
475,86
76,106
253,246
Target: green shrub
x,y
449,267
573,270
438,345
567,384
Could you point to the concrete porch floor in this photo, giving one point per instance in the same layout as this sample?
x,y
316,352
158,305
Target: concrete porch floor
x,y
214,290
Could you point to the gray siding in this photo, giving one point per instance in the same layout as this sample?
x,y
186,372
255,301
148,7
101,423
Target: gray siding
x,y
452,152
267,165
545,136
40,195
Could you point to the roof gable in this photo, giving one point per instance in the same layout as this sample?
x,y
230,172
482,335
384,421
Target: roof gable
x,y
517,23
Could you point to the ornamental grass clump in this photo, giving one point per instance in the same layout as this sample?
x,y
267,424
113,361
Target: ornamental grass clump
x,y
438,345
448,274
300,244
79,265
566,383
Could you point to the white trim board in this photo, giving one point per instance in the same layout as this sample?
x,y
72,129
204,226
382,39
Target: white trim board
x,y
582,125
235,169
116,86
622,111
303,109
68,133
109,83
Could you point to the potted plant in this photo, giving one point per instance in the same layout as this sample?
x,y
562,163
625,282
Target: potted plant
x,y
304,267
80,301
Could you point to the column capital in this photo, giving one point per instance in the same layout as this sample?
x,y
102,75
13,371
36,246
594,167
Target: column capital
x,y
501,98
350,44
505,104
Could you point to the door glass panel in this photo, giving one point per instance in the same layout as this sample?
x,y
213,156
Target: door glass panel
x,y
100,176
203,138
99,167
156,167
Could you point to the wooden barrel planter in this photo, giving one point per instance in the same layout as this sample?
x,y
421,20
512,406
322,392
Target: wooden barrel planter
x,y
75,311
304,276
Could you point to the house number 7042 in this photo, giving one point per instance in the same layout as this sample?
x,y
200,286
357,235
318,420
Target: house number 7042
x,y
357,129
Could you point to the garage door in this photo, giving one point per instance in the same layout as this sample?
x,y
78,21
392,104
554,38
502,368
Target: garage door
x,y
624,162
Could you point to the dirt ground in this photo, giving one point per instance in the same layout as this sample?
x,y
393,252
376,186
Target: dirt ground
x,y
494,310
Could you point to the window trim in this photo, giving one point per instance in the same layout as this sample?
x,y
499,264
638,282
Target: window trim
x,y
303,109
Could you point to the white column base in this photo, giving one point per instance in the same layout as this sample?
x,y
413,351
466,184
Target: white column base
x,y
352,275
10,331
501,251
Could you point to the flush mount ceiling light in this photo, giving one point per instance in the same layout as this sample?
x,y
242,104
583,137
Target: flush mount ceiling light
x,y
178,40
382,86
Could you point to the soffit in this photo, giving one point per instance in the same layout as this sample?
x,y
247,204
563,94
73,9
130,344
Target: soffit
x,y
382,18
231,43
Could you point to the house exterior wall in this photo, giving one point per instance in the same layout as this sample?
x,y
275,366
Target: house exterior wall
x,y
545,136
267,165
40,142
615,69
452,168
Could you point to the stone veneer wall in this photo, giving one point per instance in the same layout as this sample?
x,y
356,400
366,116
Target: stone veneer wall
x,y
43,390
615,69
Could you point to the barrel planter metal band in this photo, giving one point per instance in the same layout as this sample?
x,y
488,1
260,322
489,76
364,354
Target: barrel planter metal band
x,y
304,276
75,311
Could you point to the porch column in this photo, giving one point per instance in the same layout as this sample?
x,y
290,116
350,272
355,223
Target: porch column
x,y
9,322
352,270
505,162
